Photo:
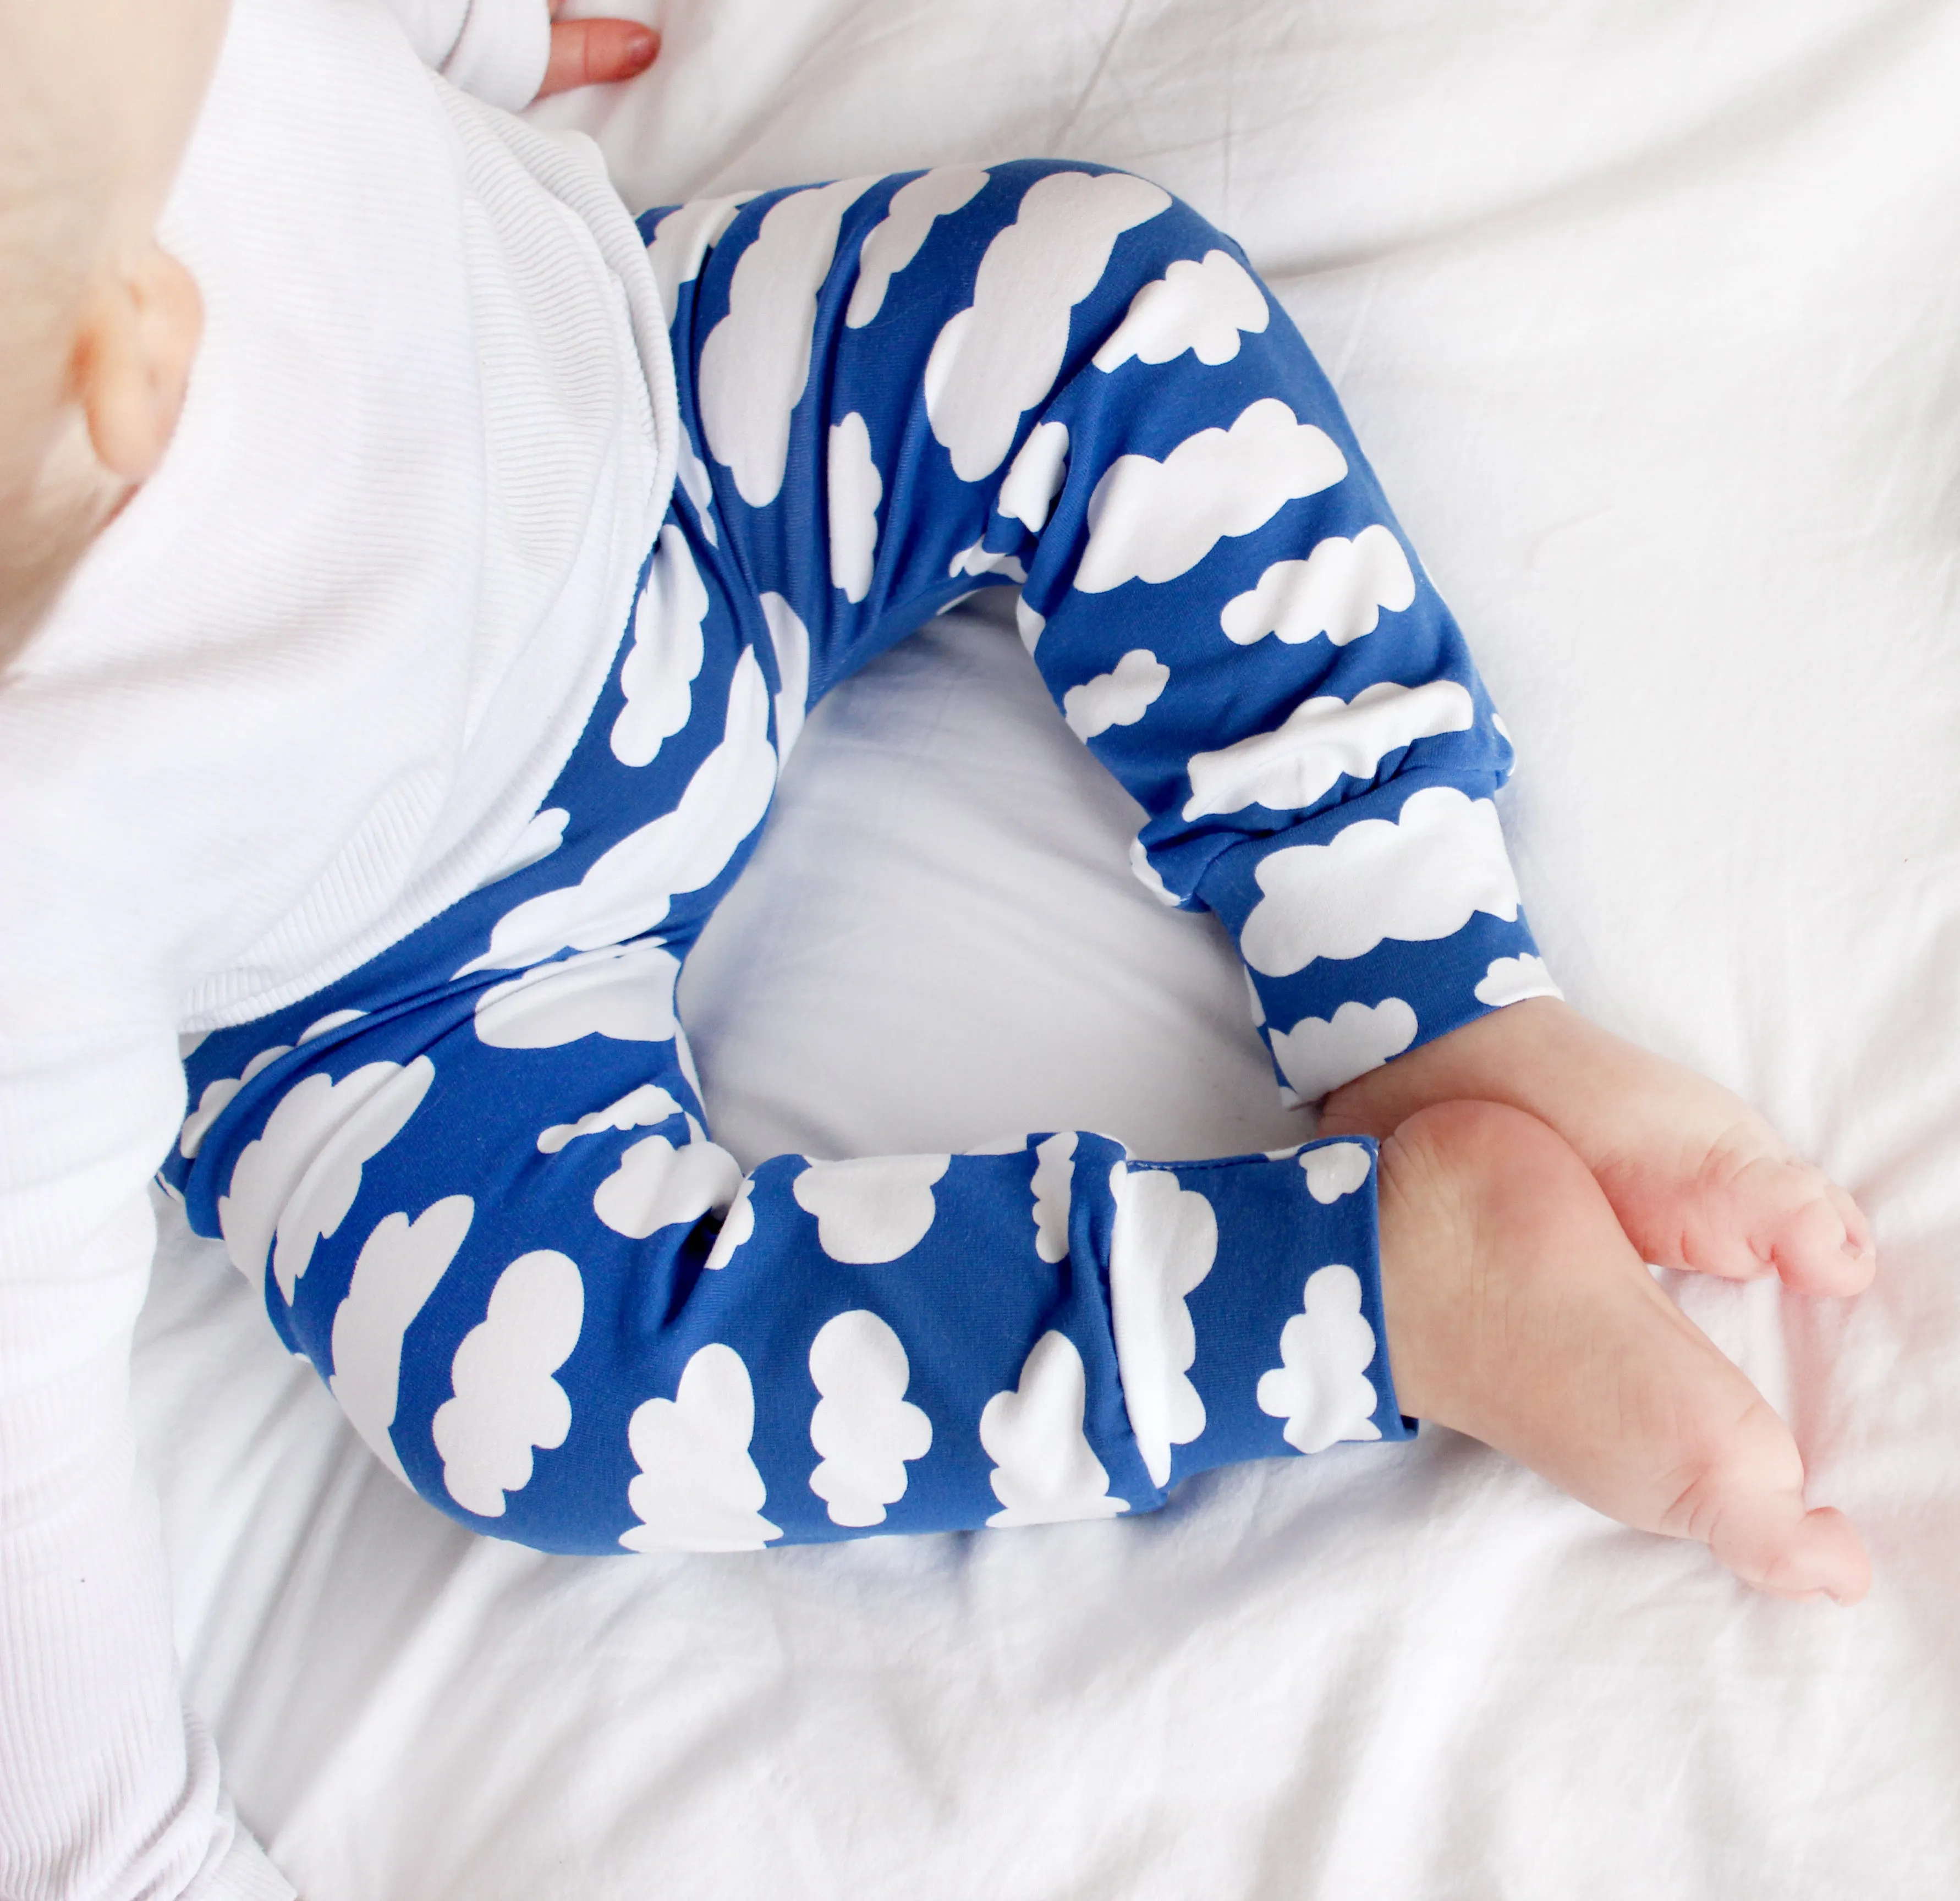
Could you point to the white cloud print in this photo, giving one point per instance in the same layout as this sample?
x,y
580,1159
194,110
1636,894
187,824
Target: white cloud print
x,y
1334,1169
738,1226
1148,875
624,992
997,359
1304,759
640,1108
691,472
698,1489
979,559
657,1185
1152,521
1510,980
1421,876
294,1184
1034,476
756,362
1203,307
856,489
626,891
1339,591
401,1265
1045,1471
657,675
217,1097
894,241
1165,1239
872,1209
218,1092
863,1427
1319,1054
683,239
1321,1387
1119,698
789,639
1054,1179
505,1402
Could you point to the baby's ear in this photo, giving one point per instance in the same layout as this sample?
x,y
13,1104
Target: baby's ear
x,y
139,334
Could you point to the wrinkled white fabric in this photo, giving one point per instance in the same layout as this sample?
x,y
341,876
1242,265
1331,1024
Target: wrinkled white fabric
x,y
495,49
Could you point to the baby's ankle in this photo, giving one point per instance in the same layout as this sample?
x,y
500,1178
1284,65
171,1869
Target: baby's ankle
x,y
1453,1177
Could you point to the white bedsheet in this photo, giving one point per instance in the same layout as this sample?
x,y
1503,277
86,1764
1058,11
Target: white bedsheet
x,y
1647,315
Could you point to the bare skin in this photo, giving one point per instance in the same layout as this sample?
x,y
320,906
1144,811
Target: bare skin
x,y
1520,1311
596,52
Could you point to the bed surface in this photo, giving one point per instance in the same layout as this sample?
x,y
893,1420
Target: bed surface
x,y
1647,316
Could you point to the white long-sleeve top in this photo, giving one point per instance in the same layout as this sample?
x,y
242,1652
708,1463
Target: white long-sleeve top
x,y
300,696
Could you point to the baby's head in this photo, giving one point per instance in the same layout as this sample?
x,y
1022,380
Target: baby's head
x,y
98,324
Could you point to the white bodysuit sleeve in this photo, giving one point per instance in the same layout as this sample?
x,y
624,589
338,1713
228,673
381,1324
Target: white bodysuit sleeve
x,y
495,50
108,1792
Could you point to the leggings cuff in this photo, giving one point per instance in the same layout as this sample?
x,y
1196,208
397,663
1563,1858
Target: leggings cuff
x,y
1291,1349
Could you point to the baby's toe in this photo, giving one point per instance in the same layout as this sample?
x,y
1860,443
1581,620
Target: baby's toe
x,y
1782,1549
1770,1214
1818,1239
1748,1505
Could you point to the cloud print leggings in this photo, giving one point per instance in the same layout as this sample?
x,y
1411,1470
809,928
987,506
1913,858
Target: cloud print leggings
x,y
474,1175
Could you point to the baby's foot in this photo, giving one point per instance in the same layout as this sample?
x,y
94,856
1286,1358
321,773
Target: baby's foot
x,y
1697,1177
1517,1313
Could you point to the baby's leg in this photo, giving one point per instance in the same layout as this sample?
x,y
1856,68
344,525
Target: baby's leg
x,y
487,1209
474,1177
1518,1313
1099,401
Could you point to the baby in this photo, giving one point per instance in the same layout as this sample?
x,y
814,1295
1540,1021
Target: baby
x,y
413,573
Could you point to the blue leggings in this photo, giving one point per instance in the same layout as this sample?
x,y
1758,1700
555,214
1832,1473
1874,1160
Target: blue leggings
x,y
473,1175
